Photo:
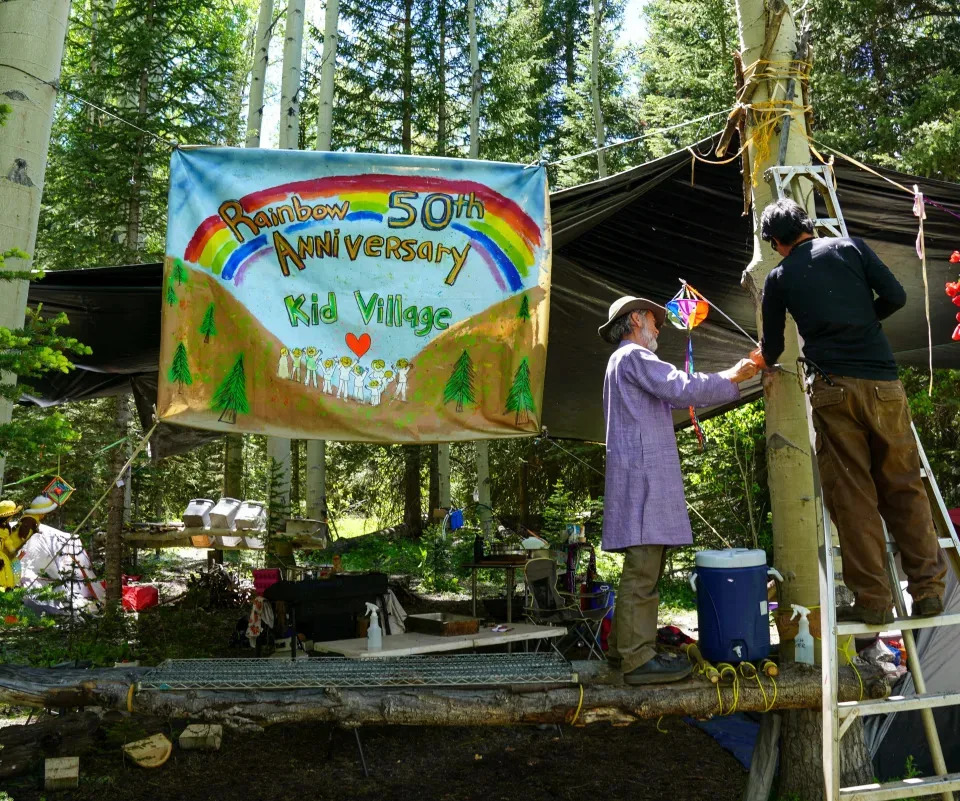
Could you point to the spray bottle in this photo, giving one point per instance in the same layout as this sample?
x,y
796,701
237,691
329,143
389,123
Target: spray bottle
x,y
803,642
374,634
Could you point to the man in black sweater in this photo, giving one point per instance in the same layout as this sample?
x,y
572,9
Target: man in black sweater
x,y
838,291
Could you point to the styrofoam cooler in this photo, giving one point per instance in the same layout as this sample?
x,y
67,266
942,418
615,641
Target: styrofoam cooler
x,y
251,515
198,513
224,513
731,588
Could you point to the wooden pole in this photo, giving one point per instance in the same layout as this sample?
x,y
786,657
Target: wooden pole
x,y
32,33
797,688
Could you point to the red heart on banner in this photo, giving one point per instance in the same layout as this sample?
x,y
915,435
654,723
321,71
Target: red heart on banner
x,y
358,344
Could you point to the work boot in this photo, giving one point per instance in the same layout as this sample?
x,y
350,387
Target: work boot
x,y
658,671
931,606
863,614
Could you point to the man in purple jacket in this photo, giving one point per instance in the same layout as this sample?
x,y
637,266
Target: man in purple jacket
x,y
644,510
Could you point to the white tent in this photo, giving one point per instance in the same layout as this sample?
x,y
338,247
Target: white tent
x,y
54,558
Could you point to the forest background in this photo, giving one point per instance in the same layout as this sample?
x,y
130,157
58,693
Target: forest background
x,y
885,89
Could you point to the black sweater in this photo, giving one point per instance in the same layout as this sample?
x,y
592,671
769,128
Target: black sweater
x,y
828,286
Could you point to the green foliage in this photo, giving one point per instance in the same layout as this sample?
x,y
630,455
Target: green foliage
x,y
174,68
727,483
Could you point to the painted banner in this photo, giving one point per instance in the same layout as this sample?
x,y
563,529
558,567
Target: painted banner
x,y
354,297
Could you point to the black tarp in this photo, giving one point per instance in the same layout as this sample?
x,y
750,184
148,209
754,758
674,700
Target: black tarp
x,y
635,233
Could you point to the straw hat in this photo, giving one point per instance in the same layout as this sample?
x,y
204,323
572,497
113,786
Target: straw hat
x,y
41,505
8,509
627,304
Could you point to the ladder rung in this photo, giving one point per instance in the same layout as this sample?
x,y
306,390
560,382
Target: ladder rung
x,y
945,542
898,703
908,788
899,623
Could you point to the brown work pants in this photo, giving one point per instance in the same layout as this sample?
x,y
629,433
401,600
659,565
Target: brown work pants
x,y
634,629
870,472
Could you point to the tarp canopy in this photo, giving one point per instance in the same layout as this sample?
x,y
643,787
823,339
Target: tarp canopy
x,y
636,233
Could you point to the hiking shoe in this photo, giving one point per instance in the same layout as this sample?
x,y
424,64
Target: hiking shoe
x,y
862,614
658,671
931,606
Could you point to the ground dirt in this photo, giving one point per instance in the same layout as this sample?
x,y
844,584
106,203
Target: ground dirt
x,y
460,764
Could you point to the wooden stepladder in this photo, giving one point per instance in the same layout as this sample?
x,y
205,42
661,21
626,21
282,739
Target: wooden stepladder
x,y
838,717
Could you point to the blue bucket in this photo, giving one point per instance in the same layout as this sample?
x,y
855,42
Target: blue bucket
x,y
731,588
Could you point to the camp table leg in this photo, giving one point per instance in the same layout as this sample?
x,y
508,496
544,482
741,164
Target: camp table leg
x,y
511,579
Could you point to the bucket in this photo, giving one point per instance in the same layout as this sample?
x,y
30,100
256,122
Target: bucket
x,y
731,588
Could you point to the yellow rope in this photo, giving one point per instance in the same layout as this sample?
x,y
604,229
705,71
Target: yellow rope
x,y
130,698
579,707
662,731
850,652
726,668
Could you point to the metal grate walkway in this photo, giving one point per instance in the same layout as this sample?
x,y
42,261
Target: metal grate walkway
x,y
466,670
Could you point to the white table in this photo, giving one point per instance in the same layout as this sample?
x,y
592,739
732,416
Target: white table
x,y
410,644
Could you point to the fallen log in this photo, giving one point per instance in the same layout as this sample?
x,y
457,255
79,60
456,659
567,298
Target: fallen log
x,y
23,747
599,700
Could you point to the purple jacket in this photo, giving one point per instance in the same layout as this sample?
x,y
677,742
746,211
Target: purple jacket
x,y
643,500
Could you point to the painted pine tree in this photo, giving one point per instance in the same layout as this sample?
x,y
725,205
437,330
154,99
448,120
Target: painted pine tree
x,y
208,328
459,386
179,371
230,399
171,294
179,272
524,313
520,398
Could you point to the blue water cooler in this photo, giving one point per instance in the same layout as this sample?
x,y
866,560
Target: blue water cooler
x,y
731,588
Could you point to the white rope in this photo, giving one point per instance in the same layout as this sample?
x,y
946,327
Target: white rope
x,y
634,139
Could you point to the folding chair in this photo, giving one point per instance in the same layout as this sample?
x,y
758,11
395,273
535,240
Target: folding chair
x,y
547,606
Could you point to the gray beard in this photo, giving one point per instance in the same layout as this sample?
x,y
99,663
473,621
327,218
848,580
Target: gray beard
x,y
650,344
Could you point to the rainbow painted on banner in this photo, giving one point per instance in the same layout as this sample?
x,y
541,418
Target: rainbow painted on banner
x,y
505,238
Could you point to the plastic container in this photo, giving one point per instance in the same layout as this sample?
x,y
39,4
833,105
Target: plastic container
x,y
228,541
731,588
224,513
250,515
198,513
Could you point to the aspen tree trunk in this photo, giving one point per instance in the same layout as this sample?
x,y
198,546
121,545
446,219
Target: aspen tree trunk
x,y
406,126
317,448
290,81
233,466
295,491
433,495
443,471
790,451
328,67
595,85
482,445
32,34
278,448
442,79
476,80
258,71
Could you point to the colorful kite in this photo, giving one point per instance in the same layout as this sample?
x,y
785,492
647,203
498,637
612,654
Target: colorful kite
x,y
686,311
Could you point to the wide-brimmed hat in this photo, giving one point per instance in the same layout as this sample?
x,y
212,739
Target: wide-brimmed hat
x,y
627,304
41,505
8,509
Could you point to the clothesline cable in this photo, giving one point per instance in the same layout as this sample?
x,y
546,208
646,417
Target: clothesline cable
x,y
546,438
55,85
639,138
